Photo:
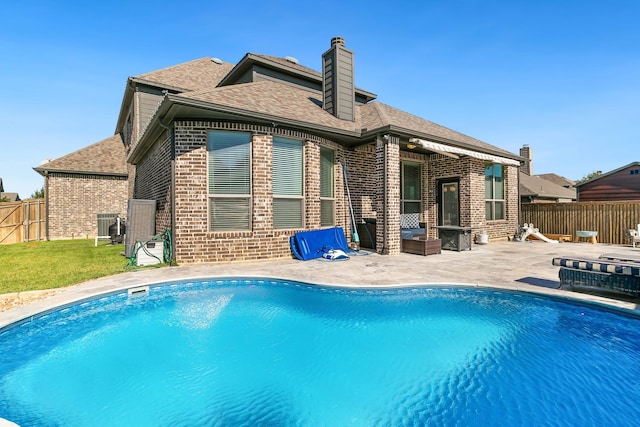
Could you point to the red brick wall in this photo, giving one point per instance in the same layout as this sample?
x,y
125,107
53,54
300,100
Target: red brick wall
x,y
75,200
366,166
194,242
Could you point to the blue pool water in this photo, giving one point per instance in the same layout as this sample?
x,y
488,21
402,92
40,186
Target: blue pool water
x,y
272,353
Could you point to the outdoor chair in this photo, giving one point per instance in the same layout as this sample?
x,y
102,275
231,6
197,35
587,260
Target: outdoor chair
x,y
635,235
604,273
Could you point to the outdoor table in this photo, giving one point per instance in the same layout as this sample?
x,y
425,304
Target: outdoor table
x,y
454,237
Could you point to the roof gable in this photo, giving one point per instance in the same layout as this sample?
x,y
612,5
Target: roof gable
x,y
632,164
540,187
106,157
198,74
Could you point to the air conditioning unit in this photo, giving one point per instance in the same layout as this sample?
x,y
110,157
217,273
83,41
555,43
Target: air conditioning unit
x,y
149,252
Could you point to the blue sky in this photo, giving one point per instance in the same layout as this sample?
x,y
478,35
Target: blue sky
x,y
560,76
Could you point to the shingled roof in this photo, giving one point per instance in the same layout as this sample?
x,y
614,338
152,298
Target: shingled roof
x,y
538,187
271,101
288,103
106,157
193,75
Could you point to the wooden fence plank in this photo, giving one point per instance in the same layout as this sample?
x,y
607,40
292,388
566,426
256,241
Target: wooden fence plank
x,y
22,221
610,219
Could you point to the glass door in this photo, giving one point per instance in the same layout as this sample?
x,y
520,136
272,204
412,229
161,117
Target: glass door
x,y
449,212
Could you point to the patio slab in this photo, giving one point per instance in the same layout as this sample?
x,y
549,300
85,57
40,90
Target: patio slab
x,y
524,266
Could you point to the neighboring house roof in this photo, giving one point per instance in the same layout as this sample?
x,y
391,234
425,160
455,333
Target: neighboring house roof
x,y
11,197
557,179
106,157
632,164
538,187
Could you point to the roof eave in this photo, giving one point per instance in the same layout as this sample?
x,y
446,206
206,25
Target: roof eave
x,y
168,112
44,171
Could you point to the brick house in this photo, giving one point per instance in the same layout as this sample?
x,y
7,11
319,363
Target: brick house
x,y
82,185
622,184
240,157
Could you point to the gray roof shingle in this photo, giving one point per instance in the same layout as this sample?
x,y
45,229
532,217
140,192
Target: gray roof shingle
x,y
537,186
198,74
106,157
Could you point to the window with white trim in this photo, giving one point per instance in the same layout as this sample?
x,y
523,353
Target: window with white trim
x,y
229,180
288,183
411,186
494,191
327,187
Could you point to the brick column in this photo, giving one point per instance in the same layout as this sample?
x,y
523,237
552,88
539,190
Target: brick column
x,y
262,182
312,184
388,194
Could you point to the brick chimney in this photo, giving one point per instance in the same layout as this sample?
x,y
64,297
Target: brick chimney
x,y
338,88
527,167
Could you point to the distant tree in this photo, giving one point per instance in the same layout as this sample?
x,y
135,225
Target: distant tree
x,y
38,194
589,176
4,199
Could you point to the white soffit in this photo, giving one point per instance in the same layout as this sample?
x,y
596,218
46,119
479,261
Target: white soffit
x,y
450,151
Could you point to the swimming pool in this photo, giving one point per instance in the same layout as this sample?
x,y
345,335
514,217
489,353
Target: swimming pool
x,y
268,352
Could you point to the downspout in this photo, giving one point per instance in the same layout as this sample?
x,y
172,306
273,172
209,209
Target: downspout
x,y
173,185
46,205
384,250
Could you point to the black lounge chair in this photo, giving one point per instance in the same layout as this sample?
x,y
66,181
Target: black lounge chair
x,y
603,273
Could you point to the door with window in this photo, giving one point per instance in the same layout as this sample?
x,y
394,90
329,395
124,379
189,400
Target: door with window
x,y
449,202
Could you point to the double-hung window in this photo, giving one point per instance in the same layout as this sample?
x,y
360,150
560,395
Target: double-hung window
x,y
288,183
411,185
327,187
494,191
229,180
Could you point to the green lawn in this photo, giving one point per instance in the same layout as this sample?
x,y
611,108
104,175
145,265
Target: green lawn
x,y
46,265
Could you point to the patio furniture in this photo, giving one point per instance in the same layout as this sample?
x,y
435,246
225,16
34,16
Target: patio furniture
x,y
635,235
620,257
367,233
454,238
616,276
591,235
420,245
410,225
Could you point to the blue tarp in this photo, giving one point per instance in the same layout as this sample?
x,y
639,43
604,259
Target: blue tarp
x,y
307,245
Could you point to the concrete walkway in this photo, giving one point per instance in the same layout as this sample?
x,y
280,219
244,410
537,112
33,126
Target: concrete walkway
x,y
522,266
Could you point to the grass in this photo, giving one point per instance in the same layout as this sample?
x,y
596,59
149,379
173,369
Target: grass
x,y
47,265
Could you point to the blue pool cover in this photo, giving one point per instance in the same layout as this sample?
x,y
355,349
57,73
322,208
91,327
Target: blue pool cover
x,y
307,245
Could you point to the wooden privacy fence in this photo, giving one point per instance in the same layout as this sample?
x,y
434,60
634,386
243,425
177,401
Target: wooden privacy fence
x,y
611,220
22,221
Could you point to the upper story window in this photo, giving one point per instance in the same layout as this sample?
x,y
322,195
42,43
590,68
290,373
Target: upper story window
x,y
411,186
494,191
327,187
288,183
229,180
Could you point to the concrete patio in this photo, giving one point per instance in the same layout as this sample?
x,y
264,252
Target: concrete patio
x,y
524,266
